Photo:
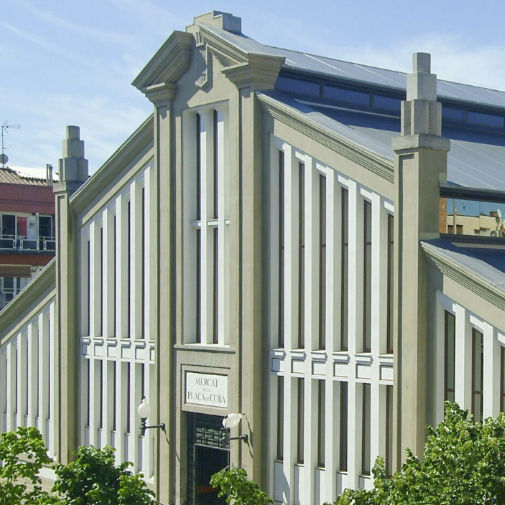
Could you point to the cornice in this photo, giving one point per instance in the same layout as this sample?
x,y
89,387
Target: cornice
x,y
161,94
138,141
287,115
465,277
169,62
259,72
227,53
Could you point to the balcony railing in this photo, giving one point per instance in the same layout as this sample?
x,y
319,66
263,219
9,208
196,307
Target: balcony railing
x,y
21,243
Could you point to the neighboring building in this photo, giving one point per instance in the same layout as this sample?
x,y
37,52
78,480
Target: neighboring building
x,y
27,240
269,243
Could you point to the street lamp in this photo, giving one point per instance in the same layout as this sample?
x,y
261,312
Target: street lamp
x,y
232,420
144,411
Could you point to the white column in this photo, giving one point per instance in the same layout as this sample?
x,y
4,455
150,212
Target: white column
x,y
108,401
491,372
22,370
33,376
331,439
273,240
463,359
290,439
94,400
108,273
379,278
86,281
307,473
148,440
355,270
136,258
43,373
311,267
333,263
291,243
149,263
3,388
53,380
439,360
122,273
206,232
121,410
84,399
11,385
354,432
223,233
95,279
135,398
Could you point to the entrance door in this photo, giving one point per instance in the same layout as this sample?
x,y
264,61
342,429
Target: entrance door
x,y
208,452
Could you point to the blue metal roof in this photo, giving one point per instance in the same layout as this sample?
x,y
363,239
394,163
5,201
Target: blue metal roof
x,y
365,74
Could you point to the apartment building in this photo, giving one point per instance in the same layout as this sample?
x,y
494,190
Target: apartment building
x,y
27,241
273,242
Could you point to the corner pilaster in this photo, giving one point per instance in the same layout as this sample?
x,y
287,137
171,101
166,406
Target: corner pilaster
x,y
420,165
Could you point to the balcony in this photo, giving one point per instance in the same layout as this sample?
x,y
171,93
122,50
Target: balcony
x,y
11,243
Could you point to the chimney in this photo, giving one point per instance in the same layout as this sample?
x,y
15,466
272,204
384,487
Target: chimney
x,y
49,174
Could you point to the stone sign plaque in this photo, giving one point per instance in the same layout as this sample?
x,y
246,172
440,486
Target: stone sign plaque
x,y
207,389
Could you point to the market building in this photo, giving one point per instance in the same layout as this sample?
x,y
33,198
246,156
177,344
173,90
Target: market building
x,y
273,241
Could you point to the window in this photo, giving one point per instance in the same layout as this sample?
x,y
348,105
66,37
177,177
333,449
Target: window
x,y
281,250
390,285
389,430
322,261
367,275
449,370
477,374
365,436
301,256
321,413
343,427
344,270
280,418
301,424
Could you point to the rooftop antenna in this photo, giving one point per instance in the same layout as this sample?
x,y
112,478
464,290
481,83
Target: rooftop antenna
x,y
3,157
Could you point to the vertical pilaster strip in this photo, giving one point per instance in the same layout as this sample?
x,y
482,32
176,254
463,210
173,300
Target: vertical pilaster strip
x,y
121,410
136,252
135,393
95,279
122,266
94,400
108,401
83,401
463,359
11,385
148,440
290,439
108,272
22,369
354,438
491,372
53,384
333,262
291,253
307,474
43,373
149,230
3,389
331,438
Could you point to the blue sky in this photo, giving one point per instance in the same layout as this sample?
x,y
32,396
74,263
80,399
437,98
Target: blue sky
x,y
68,62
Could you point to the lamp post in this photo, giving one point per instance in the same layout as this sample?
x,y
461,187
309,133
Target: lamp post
x,y
144,411
232,420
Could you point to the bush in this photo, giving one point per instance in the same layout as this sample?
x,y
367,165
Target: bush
x,y
234,485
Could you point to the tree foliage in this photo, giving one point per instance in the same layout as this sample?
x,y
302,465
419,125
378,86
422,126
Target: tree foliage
x,y
90,479
463,463
22,455
235,487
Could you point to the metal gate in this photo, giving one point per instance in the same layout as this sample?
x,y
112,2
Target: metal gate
x,y
208,452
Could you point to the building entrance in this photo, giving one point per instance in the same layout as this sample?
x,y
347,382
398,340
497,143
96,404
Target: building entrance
x,y
208,452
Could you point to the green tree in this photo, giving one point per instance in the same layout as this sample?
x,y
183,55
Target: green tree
x,y
22,455
463,464
235,487
93,479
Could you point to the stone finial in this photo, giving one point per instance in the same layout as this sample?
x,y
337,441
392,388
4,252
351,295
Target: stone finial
x,y
73,166
421,113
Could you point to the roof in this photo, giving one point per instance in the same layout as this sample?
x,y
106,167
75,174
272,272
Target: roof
x,y
10,176
483,263
334,68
